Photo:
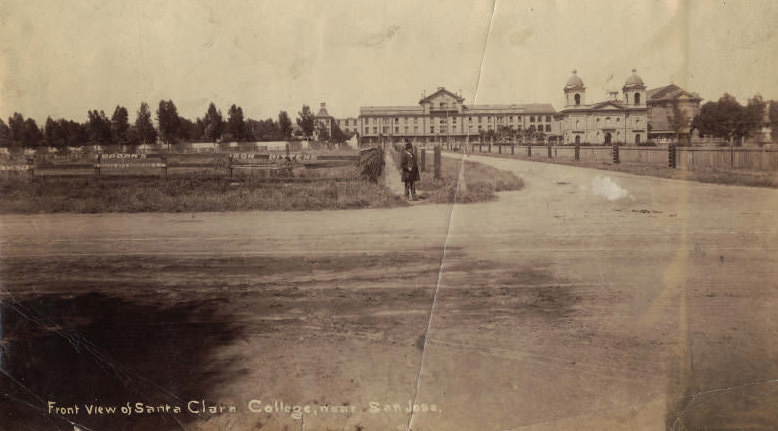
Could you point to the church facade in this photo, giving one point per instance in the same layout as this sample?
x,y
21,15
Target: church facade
x,y
616,120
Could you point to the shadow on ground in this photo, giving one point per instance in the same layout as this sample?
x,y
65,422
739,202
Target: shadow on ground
x,y
72,350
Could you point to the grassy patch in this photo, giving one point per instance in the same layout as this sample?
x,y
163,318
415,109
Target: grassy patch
x,y
477,183
92,195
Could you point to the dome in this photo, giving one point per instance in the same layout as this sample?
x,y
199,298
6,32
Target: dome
x,y
574,81
633,80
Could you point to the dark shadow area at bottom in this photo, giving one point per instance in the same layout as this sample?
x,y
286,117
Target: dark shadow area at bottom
x,y
94,349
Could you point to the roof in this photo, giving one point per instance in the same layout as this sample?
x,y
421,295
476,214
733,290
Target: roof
x,y
525,108
322,113
574,81
603,106
670,92
390,110
634,80
442,90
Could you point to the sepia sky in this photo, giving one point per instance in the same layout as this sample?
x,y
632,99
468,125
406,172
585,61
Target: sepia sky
x,y
63,58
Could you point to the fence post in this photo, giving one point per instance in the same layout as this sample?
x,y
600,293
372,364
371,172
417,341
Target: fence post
x,y
529,150
229,165
615,154
436,161
423,160
671,156
577,152
549,151
164,166
513,149
30,169
99,162
499,148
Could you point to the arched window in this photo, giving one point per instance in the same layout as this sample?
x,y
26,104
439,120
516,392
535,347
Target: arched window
x,y
607,138
577,99
637,139
577,139
637,98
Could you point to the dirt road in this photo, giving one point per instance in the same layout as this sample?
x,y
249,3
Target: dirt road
x,y
553,308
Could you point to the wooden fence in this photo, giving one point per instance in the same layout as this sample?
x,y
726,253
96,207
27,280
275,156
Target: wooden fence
x,y
687,158
297,166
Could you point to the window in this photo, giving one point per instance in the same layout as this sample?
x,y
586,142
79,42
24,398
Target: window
x,y
396,120
532,119
415,130
637,99
375,130
548,118
397,130
548,127
432,129
480,118
577,99
637,139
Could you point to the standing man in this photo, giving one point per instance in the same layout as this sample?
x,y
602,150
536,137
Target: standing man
x,y
410,170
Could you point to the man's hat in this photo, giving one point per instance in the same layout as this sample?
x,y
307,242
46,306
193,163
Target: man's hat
x,y
408,144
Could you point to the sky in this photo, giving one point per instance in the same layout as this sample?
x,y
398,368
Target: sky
x,y
64,58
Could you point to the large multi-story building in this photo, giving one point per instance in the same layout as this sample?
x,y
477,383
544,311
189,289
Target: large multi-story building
x,y
612,121
443,115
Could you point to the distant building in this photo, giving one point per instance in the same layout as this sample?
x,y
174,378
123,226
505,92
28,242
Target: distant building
x,y
612,121
348,125
665,105
322,121
443,115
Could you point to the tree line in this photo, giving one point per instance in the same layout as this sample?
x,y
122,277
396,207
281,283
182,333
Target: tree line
x,y
727,118
170,128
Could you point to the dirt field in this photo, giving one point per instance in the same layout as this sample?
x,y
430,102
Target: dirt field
x,y
552,308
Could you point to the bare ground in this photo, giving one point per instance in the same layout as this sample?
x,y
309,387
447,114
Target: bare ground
x,y
555,309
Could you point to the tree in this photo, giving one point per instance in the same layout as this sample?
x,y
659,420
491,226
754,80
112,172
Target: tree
x,y
264,130
52,133
305,121
235,129
725,118
168,121
99,128
322,133
284,125
4,135
16,130
338,135
773,117
120,125
754,115
213,124
144,131
189,130
681,124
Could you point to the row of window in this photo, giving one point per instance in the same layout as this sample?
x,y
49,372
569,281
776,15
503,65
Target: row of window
x,y
453,119
442,129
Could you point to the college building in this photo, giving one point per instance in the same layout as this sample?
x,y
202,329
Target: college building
x,y
443,116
